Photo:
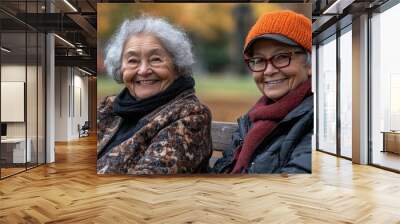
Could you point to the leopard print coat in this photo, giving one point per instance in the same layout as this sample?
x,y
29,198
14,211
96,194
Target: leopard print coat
x,y
174,138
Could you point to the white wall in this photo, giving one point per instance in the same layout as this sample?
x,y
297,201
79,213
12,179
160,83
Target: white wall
x,y
61,103
80,110
13,73
33,126
71,94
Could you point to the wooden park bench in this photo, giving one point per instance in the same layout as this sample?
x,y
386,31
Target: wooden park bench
x,y
221,133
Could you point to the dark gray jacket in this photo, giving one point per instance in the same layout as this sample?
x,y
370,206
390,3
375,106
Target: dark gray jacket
x,y
286,150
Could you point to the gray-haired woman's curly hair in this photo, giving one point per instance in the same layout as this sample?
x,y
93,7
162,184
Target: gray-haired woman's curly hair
x,y
173,39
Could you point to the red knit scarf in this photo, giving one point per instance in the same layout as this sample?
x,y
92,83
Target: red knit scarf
x,y
265,115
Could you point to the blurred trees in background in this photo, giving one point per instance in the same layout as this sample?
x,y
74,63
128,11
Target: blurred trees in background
x,y
244,19
217,30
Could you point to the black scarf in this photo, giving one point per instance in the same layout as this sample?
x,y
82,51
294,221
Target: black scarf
x,y
132,110
128,107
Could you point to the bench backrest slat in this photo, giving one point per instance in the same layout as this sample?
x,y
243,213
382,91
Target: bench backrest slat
x,y
221,133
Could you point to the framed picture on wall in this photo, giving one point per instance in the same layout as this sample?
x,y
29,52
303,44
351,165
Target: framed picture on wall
x,y
188,92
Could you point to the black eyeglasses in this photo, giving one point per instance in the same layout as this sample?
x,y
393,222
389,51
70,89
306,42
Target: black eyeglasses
x,y
281,60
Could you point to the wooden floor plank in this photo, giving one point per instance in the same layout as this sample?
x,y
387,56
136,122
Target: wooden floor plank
x,y
70,191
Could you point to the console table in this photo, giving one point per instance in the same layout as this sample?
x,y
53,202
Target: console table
x,y
391,141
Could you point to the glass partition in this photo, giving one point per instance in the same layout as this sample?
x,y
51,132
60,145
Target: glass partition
x,y
327,96
346,93
13,95
22,90
385,89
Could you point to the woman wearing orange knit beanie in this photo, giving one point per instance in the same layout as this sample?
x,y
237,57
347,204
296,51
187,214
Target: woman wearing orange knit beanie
x,y
275,135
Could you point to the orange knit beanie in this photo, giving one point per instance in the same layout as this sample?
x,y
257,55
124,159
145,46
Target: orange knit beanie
x,y
288,26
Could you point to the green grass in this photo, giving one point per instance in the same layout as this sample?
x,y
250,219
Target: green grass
x,y
206,85
228,85
107,86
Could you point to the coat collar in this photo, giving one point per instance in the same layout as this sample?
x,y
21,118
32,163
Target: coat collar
x,y
114,121
305,107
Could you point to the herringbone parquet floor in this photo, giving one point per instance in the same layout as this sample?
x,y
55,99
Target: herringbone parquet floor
x,y
69,191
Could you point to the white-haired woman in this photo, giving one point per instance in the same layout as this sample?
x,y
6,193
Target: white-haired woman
x,y
156,124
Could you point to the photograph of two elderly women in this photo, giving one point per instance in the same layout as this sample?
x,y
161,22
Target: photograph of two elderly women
x,y
168,71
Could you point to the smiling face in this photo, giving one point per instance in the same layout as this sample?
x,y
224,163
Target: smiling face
x,y
147,68
276,83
